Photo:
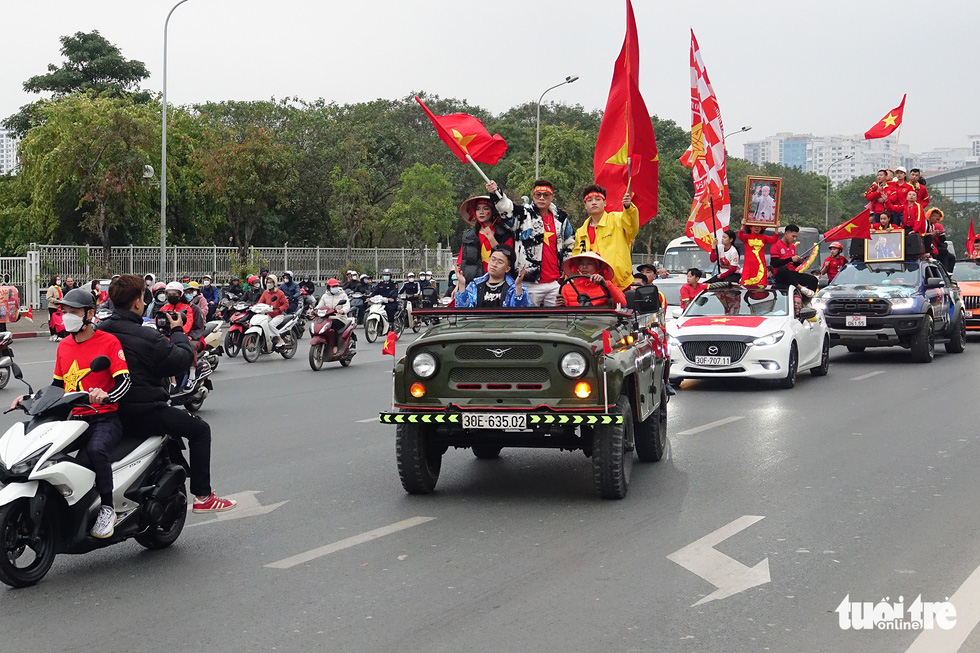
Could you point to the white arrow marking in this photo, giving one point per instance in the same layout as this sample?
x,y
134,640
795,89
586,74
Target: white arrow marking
x,y
728,575
248,506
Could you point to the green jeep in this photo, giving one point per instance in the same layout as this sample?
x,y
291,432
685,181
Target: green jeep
x,y
534,377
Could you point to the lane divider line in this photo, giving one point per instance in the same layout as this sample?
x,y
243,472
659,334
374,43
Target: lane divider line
x,y
721,422
369,419
867,376
966,600
313,554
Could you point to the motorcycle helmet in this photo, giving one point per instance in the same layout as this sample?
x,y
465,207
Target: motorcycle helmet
x,y
253,280
411,275
195,285
365,276
78,298
386,274
333,286
837,245
271,280
175,291
287,273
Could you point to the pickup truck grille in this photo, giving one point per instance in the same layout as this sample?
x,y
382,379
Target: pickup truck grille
x,y
858,307
734,350
972,302
498,352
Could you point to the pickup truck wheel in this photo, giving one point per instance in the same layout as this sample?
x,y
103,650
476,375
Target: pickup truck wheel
x,y
788,381
612,454
957,336
855,349
651,433
486,452
824,360
418,462
924,342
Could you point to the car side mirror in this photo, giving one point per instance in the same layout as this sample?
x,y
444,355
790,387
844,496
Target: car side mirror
x,y
646,299
934,282
807,313
823,282
676,312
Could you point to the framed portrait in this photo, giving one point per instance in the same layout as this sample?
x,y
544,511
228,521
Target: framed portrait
x,y
762,195
885,246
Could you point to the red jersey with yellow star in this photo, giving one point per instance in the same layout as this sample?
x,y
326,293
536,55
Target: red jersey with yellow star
x,y
73,362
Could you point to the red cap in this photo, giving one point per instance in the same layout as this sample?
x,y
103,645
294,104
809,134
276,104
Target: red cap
x,y
332,282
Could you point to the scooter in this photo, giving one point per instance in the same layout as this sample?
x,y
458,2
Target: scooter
x,y
255,343
190,396
322,336
376,319
238,322
212,343
6,358
48,502
304,306
357,307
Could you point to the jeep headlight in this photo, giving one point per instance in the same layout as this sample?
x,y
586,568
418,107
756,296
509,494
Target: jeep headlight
x,y
573,365
770,339
424,365
902,302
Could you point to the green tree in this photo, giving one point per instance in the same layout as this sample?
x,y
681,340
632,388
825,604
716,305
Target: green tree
x,y
423,210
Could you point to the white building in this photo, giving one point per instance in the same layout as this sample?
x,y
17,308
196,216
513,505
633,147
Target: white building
x,y
8,152
948,158
785,148
866,156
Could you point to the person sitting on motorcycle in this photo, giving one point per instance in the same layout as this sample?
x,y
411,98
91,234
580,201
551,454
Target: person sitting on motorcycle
x,y
291,290
352,283
274,297
192,293
153,356
412,291
150,281
425,280
254,291
365,284
234,289
211,295
336,299
178,302
105,388
590,291
159,298
307,285
386,288
495,289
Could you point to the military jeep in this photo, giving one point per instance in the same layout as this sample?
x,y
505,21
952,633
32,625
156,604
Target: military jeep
x,y
589,379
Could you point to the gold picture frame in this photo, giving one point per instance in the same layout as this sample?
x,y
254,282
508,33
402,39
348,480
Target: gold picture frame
x,y
885,246
762,201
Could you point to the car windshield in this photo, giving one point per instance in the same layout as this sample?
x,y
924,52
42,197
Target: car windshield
x,y
740,301
859,273
681,259
671,291
966,271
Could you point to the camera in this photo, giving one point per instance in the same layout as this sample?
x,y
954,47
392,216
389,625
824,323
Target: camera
x,y
161,319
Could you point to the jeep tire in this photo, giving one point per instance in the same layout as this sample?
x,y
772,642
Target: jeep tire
x,y
923,343
418,461
612,453
651,433
486,452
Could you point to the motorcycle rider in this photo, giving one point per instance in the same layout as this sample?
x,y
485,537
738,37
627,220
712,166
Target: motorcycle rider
x,y
254,291
194,297
105,389
192,325
211,295
274,297
352,283
412,291
153,356
386,288
159,292
425,280
291,290
307,285
234,289
150,281
332,299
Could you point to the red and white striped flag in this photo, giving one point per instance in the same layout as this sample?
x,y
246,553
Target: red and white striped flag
x,y
707,159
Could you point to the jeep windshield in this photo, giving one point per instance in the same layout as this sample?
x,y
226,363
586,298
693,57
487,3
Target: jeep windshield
x,y
898,273
740,301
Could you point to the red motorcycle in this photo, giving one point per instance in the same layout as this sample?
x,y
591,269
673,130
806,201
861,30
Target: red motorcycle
x,y
238,323
323,338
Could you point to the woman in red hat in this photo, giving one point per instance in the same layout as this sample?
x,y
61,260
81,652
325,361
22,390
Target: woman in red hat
x,y
486,232
591,291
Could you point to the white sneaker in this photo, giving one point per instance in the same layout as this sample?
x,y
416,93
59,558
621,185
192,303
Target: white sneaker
x,y
105,523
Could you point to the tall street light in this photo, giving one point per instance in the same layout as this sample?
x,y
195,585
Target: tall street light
x,y
739,131
537,135
826,210
163,155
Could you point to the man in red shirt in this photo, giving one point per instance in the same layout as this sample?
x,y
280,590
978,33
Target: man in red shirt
x,y
692,288
833,263
877,193
898,192
783,259
73,373
919,184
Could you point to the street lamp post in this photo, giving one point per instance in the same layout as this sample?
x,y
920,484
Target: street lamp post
x,y
736,133
537,134
826,210
163,155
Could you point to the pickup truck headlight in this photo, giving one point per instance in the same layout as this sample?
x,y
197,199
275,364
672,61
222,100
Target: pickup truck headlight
x,y
770,339
819,302
424,365
902,302
573,365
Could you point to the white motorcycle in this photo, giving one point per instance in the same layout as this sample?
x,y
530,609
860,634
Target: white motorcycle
x,y
259,339
376,319
48,500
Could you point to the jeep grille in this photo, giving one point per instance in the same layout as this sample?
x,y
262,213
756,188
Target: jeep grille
x,y
507,352
735,350
972,302
489,375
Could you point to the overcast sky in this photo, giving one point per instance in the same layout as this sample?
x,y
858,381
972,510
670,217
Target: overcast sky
x,y
823,67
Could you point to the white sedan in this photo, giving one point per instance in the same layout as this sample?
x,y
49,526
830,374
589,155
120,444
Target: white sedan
x,y
759,333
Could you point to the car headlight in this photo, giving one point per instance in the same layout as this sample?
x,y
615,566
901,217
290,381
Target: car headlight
x,y
424,365
818,302
673,342
902,302
770,339
573,365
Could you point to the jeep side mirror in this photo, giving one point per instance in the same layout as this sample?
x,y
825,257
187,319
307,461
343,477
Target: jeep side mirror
x,y
646,299
934,282
807,313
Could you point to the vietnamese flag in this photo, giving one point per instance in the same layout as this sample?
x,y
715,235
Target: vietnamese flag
x,y
970,236
747,321
857,227
389,346
466,135
606,343
626,148
889,123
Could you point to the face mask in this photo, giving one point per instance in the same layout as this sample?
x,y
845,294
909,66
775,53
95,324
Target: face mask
x,y
57,282
162,298
188,298
335,290
173,299
73,323
270,286
386,278
205,283
256,285
149,282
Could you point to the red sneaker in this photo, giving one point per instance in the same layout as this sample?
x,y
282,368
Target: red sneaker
x,y
214,504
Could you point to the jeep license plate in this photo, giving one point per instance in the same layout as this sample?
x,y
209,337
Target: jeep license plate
x,y
856,321
712,360
504,421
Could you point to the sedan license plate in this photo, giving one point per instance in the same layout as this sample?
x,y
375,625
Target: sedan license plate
x,y
503,421
712,360
856,321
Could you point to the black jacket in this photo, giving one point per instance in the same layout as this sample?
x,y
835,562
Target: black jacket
x,y
151,358
471,260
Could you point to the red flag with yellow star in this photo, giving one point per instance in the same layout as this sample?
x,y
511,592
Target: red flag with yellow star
x,y
857,227
889,123
465,134
389,346
626,149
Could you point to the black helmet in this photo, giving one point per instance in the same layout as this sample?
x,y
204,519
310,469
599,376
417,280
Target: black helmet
x,y
78,298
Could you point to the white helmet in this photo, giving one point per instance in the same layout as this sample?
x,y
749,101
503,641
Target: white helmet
x,y
411,275
175,285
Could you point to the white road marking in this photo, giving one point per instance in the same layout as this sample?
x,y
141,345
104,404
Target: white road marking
x,y
370,419
248,506
299,559
966,600
727,574
35,363
867,376
721,422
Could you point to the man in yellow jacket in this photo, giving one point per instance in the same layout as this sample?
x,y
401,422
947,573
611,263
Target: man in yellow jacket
x,y
610,235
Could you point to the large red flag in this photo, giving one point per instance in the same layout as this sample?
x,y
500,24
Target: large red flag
x,y
970,236
857,227
465,134
626,149
711,207
889,123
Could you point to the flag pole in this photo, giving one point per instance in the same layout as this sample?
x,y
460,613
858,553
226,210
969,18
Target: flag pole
x,y
898,139
629,174
714,223
478,168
